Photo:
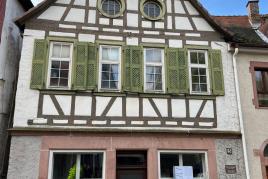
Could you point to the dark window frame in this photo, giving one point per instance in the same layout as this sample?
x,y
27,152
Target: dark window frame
x,y
254,65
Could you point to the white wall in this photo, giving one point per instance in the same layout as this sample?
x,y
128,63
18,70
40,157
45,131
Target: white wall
x,y
27,99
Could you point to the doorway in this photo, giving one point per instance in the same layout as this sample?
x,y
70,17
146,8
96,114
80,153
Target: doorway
x,y
131,165
267,172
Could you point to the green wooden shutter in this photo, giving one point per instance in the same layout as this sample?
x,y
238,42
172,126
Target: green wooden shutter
x,y
39,64
80,66
216,71
92,67
133,69
172,67
183,71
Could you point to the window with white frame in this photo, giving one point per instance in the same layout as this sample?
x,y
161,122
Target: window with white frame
x,y
198,70
60,60
110,59
169,159
154,69
65,164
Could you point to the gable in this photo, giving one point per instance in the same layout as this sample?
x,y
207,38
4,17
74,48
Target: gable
x,y
186,15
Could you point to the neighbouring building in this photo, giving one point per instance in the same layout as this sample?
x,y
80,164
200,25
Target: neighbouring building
x,y
251,59
10,46
121,89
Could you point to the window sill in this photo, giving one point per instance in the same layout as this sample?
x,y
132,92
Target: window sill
x,y
58,88
109,90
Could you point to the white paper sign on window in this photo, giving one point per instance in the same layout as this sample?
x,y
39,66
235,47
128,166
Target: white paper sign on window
x,y
185,172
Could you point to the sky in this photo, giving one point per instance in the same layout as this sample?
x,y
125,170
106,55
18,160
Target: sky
x,y
224,7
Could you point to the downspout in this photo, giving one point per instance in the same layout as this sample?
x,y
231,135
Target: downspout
x,y
237,89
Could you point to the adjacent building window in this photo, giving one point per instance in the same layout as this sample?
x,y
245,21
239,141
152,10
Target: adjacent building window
x,y
77,165
60,59
198,70
154,69
261,77
266,151
110,59
152,9
168,160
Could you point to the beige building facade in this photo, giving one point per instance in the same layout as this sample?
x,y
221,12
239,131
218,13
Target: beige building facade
x,y
255,117
250,61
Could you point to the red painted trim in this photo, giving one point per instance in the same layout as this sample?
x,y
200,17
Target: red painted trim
x,y
2,15
111,143
253,65
264,160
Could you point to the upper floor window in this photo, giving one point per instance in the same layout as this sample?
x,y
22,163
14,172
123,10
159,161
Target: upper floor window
x,y
110,60
111,8
66,164
154,69
60,59
152,9
261,77
198,70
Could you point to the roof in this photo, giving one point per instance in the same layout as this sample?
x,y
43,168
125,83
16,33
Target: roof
x,y
26,4
241,30
46,3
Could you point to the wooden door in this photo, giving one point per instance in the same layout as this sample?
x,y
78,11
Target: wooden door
x,y
131,165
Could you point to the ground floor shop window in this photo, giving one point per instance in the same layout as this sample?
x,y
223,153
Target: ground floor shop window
x,y
131,164
169,159
65,165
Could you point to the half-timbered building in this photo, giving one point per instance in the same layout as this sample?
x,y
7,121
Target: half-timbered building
x,y
125,89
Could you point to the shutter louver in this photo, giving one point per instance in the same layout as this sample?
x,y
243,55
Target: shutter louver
x,y
133,69
39,64
80,66
183,71
216,72
172,66
92,67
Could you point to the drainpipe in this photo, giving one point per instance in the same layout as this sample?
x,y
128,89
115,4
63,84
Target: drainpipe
x,y
240,112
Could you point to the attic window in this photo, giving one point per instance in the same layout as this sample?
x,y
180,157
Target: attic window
x,y
152,9
111,8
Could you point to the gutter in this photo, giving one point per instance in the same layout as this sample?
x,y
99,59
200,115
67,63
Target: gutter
x,y
237,89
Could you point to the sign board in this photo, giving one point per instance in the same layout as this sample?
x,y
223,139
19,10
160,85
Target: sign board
x,y
230,169
185,172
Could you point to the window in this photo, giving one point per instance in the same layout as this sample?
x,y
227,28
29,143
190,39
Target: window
x,y
266,151
66,164
170,159
198,70
111,8
131,164
152,9
60,59
261,77
110,58
154,69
